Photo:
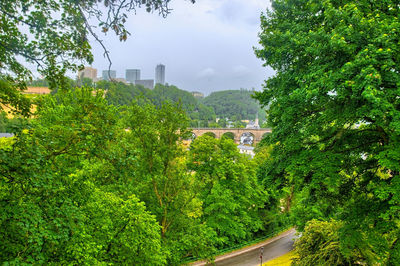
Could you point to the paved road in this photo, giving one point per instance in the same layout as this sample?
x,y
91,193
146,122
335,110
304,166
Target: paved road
x,y
250,256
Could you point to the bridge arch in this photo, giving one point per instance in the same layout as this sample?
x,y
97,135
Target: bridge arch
x,y
247,138
229,135
211,134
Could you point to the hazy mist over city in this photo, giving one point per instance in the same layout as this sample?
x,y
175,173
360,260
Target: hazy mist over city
x,y
205,47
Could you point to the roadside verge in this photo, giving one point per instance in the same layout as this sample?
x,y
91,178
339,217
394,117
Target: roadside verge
x,y
245,249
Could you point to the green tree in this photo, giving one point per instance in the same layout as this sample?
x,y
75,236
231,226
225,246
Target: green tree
x,y
84,82
229,189
222,122
275,214
195,110
53,210
319,245
39,83
234,104
239,124
335,112
159,177
3,122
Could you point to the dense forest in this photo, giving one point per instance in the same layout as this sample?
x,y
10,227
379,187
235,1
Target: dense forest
x,y
87,182
227,105
235,105
123,94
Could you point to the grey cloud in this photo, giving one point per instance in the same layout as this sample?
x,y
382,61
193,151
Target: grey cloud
x,y
206,73
238,11
240,70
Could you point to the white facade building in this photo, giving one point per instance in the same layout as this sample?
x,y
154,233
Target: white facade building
x,y
246,150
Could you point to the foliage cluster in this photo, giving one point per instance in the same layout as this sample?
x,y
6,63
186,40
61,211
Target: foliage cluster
x,y
11,124
123,94
320,245
335,112
90,183
234,104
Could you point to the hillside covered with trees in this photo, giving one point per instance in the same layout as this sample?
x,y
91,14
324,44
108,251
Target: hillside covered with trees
x,y
232,105
235,105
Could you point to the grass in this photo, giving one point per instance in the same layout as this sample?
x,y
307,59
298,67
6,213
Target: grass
x,y
284,260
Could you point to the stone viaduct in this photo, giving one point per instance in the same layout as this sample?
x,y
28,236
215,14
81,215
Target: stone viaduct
x,y
239,135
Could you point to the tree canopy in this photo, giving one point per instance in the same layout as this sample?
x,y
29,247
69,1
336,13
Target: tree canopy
x,y
234,104
123,94
335,112
87,182
229,189
55,208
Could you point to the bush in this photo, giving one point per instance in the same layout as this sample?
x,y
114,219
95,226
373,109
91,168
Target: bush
x,y
320,245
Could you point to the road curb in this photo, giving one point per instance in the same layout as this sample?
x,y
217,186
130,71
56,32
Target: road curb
x,y
245,249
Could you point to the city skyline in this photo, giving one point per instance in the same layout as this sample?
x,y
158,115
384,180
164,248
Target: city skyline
x,y
131,76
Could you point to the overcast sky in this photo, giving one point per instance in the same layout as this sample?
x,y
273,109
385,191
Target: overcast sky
x,y
205,47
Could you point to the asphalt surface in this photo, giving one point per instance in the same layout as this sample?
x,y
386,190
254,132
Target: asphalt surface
x,y
250,256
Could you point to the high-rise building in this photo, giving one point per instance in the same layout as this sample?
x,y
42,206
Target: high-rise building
x,y
147,83
160,74
88,72
109,73
132,75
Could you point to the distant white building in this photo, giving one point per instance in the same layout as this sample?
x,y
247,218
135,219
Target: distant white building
x,y
246,150
197,94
